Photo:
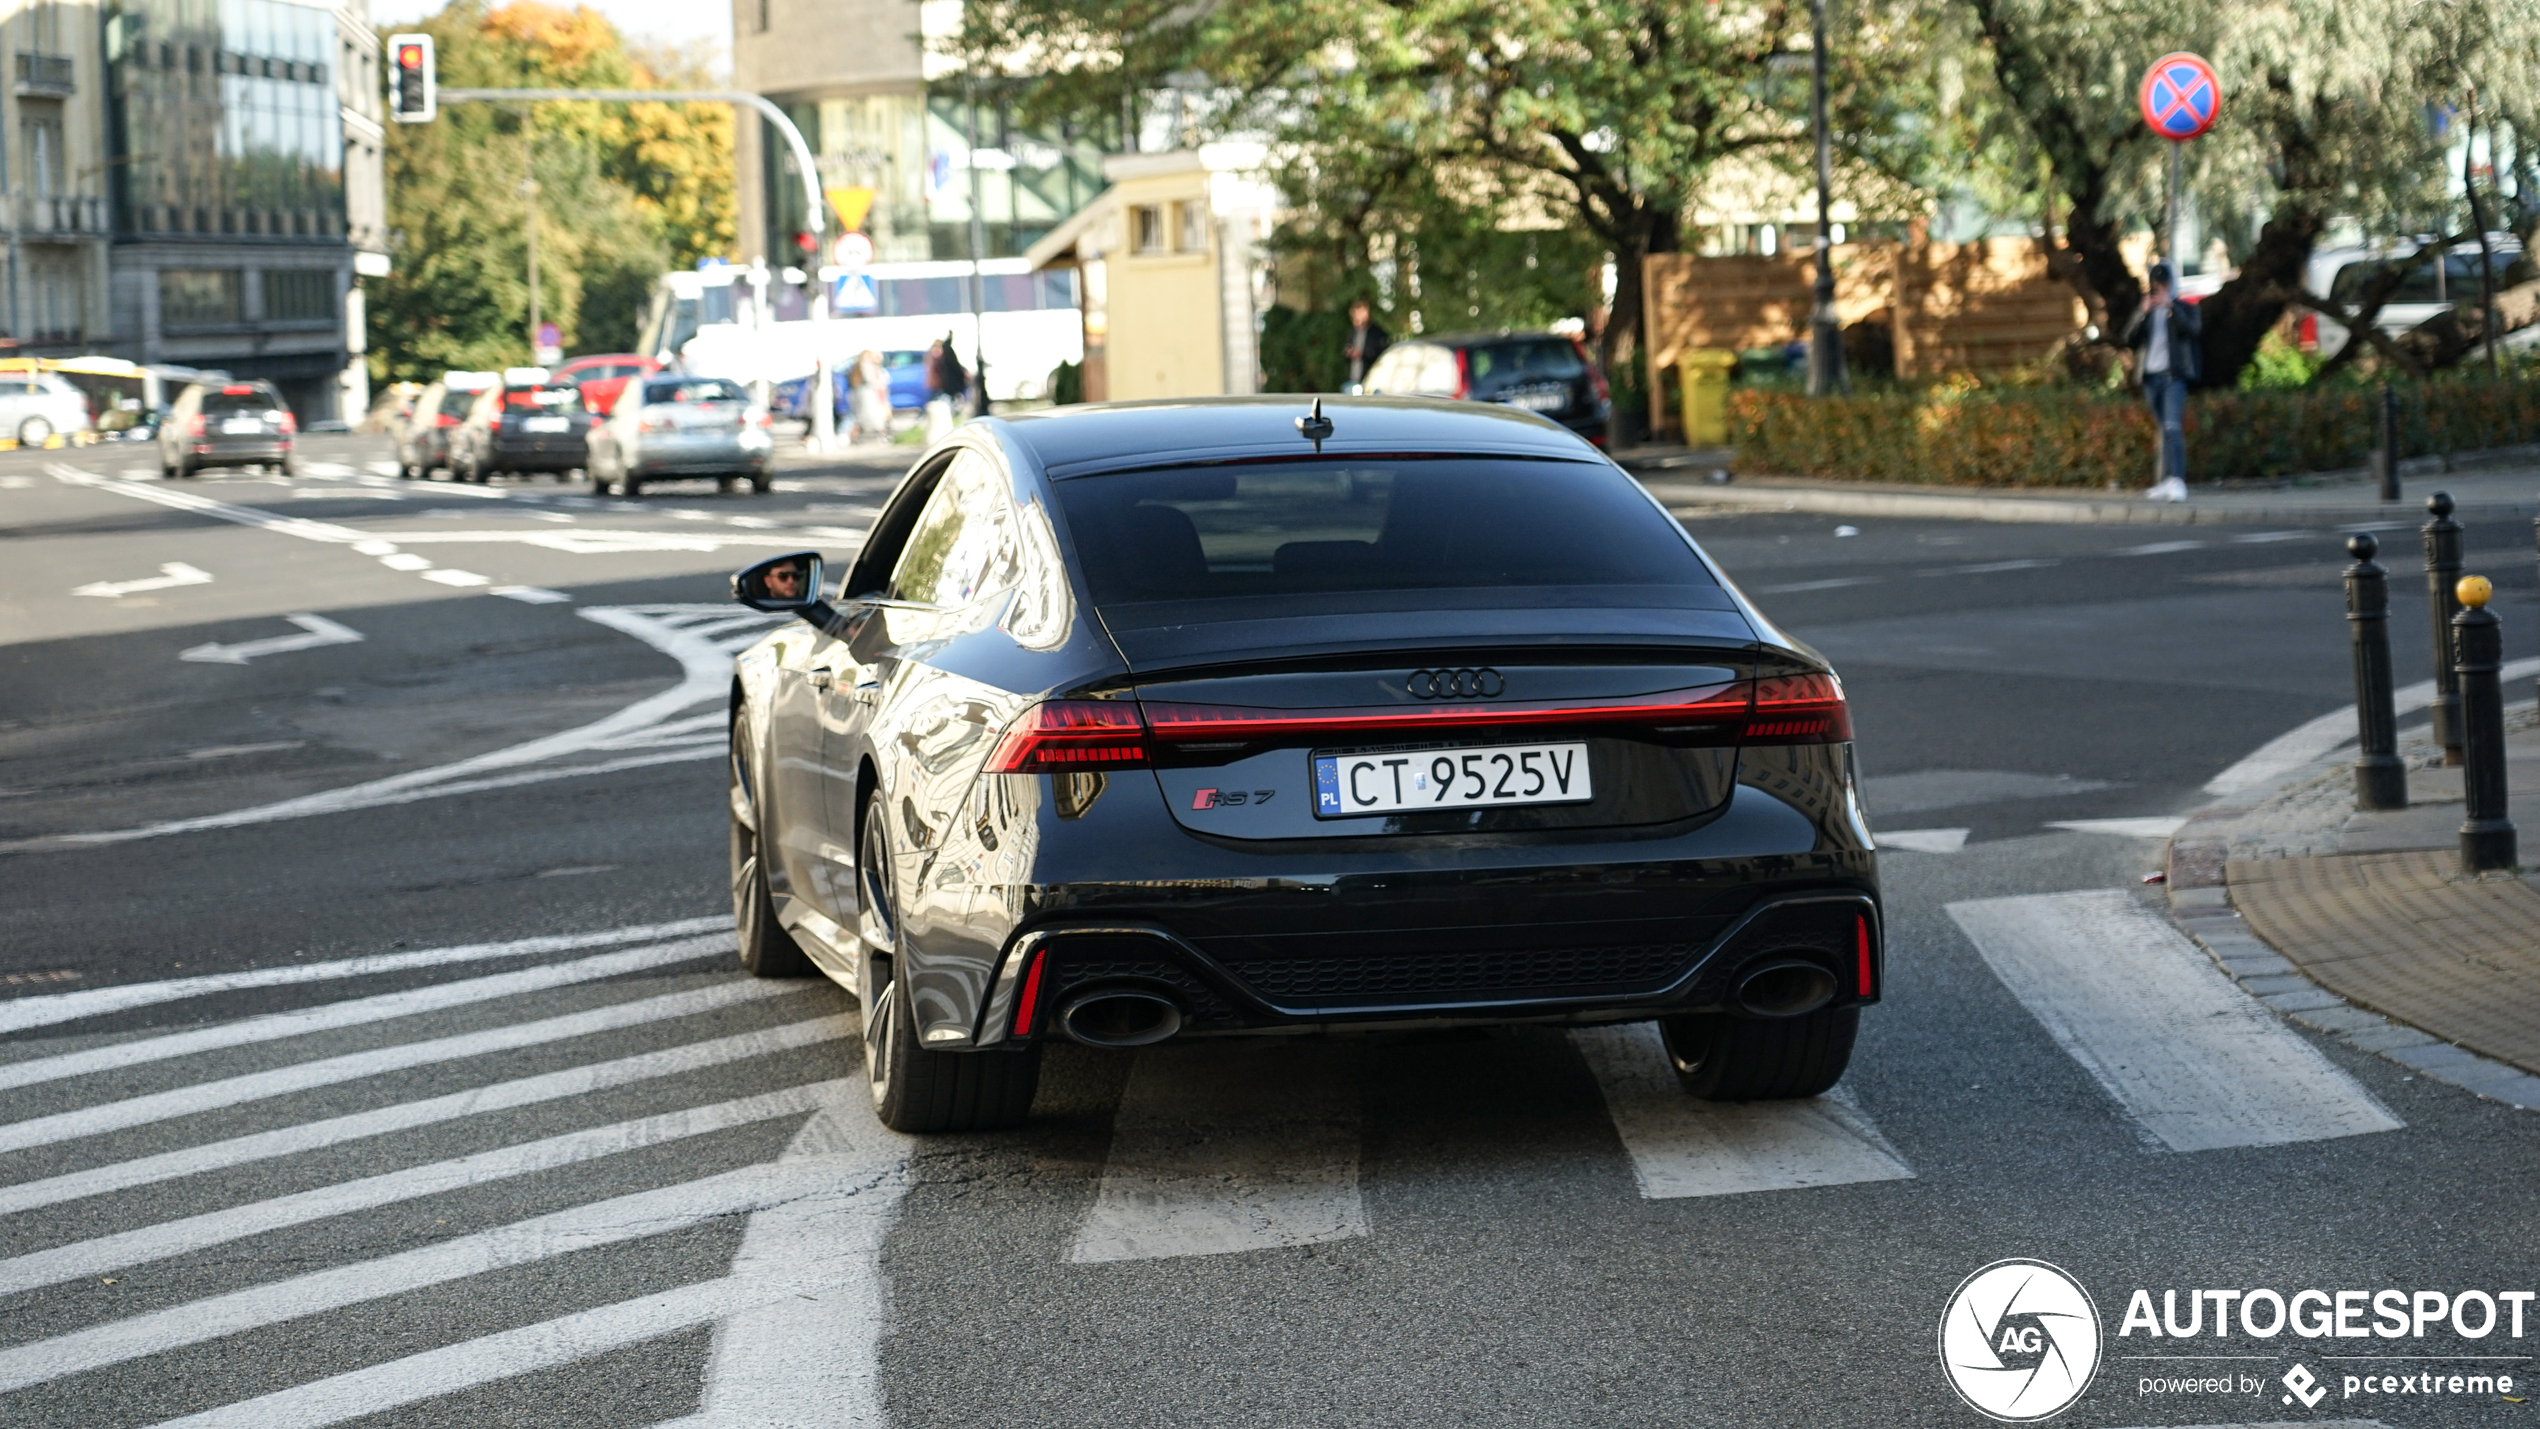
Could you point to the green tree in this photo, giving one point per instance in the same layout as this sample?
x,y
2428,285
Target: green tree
x,y
621,193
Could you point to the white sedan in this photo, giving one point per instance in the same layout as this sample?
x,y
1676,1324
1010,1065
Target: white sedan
x,y
667,427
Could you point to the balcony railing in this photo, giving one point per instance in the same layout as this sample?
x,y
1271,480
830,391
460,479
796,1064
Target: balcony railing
x,y
42,218
43,75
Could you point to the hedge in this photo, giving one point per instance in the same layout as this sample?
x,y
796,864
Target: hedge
x,y
2051,437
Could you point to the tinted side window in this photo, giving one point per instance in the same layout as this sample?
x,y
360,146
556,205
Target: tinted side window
x,y
963,544
1509,364
252,400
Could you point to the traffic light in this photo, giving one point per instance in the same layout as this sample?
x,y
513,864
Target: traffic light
x,y
410,82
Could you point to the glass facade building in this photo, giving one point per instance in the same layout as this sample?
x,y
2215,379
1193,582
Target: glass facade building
x,y
905,158
225,120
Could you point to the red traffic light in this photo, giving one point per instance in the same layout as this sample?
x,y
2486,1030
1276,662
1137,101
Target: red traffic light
x,y
410,57
806,244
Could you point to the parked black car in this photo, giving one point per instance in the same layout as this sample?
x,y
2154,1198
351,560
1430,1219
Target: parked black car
x,y
1541,372
228,424
522,426
1228,717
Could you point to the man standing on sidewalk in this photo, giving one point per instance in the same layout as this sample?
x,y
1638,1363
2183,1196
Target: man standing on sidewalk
x,y
1367,342
2168,336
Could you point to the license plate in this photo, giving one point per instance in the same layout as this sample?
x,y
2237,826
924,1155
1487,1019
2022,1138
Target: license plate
x,y
1409,780
241,427
1540,401
547,424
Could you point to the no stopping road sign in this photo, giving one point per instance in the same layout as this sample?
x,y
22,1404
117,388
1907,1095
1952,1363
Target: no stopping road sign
x,y
2181,98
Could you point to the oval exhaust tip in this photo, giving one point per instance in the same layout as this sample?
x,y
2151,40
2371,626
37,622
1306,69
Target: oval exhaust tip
x,y
1120,1018
1785,989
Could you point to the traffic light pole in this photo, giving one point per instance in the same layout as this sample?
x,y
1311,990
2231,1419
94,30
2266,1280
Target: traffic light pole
x,y
816,209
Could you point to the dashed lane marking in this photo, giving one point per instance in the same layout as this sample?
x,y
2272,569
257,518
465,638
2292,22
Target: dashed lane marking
x,y
2197,1063
354,1013
18,1014
462,579
1226,1147
2159,548
1988,568
1830,583
530,594
2153,827
1681,1147
1924,840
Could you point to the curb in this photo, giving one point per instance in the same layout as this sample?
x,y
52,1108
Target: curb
x,y
1684,497
2200,906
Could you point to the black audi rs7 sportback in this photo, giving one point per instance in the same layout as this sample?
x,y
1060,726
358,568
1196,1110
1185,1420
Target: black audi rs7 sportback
x,y
1249,717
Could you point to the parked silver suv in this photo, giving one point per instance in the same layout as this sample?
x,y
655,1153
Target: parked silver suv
x,y
36,405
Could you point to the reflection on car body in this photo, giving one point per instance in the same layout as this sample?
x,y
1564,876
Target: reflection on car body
x,y
986,780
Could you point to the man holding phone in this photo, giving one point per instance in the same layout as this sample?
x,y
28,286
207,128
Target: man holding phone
x,y
2167,336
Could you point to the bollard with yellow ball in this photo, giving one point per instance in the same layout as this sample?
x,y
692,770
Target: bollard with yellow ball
x,y
2478,654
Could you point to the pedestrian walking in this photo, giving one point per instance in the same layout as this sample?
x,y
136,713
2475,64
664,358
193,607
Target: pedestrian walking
x,y
2168,337
1367,342
948,386
871,396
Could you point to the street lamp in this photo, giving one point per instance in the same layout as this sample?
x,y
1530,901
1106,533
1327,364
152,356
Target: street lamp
x,y
1826,376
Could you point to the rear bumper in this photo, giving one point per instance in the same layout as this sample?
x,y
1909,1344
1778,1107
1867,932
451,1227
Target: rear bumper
x,y
1536,978
561,454
214,450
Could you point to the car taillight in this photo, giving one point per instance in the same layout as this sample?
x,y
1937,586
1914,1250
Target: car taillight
x,y
445,420
1028,1000
2307,332
1799,709
1062,736
759,416
1861,945
194,425
1713,712
655,424
1596,374
290,424
1463,374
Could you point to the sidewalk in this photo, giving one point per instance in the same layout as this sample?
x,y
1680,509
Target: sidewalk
x,y
2361,924
2504,482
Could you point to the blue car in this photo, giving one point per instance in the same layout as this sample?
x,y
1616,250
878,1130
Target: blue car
x,y
907,371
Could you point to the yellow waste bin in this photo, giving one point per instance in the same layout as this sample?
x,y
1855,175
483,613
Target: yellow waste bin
x,y
1705,375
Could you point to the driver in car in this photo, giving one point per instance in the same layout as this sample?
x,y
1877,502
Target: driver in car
x,y
785,582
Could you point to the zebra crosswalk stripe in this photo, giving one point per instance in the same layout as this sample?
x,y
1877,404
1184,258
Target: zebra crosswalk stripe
x,y
300,1077
355,1012
193,1233
478,1101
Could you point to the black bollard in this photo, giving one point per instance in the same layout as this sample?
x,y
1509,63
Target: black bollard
x,y
2442,575
2386,450
2381,780
2487,838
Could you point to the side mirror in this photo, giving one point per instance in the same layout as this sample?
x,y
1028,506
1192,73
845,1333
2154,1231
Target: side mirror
x,y
785,585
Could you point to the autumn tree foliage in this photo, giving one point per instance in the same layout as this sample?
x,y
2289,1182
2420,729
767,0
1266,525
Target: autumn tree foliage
x,y
621,192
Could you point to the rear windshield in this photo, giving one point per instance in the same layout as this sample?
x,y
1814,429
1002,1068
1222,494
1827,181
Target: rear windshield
x,y
455,404
1313,528
693,389
554,397
254,399
1540,359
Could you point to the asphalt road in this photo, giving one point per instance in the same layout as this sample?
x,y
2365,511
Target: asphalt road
x,y
469,1121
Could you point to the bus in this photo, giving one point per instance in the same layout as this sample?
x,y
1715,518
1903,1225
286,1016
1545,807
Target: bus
x,y
724,321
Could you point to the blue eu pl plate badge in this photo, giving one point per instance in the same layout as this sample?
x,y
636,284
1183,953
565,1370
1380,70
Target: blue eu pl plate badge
x,y
1327,786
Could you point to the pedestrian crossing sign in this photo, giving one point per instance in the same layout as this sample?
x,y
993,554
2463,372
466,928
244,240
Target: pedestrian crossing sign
x,y
853,293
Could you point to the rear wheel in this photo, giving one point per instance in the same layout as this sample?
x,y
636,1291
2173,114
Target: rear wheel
x,y
767,950
916,1090
759,483
1746,1059
34,432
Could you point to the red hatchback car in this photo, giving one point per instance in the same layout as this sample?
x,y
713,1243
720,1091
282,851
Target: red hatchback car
x,y
602,376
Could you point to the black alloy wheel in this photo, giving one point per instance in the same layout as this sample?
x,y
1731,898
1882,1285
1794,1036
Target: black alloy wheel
x,y
767,950
1749,1059
915,1090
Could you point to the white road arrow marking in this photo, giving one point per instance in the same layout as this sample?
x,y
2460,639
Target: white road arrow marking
x,y
171,575
321,631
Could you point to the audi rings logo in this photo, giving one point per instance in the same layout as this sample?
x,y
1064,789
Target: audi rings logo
x,y
2019,1341
1465,684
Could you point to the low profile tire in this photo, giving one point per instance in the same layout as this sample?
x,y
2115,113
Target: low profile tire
x,y
1750,1059
760,482
915,1090
34,432
290,466
767,950
630,486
